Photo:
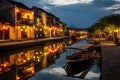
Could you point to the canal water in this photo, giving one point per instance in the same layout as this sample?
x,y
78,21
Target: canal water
x,y
44,62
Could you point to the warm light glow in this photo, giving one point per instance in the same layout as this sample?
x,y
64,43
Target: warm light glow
x,y
36,53
4,27
116,30
25,30
32,12
40,52
19,27
17,10
34,27
40,29
28,27
38,57
26,54
70,42
4,65
22,52
21,30
24,60
33,71
38,60
45,28
28,14
18,77
1,28
28,58
23,26
34,57
110,31
19,59
61,30
0,69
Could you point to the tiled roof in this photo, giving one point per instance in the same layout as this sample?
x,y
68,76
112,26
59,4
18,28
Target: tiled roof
x,y
18,4
45,11
5,19
34,7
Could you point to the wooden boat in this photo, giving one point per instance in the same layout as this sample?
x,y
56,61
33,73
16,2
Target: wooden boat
x,y
79,71
79,63
95,42
86,52
80,58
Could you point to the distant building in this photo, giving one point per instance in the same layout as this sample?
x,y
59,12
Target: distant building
x,y
77,33
62,29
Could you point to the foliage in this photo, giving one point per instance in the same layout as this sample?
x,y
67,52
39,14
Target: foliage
x,y
106,24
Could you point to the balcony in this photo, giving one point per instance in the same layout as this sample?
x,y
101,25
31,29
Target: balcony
x,y
26,21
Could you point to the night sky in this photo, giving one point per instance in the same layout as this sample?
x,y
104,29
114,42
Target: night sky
x,y
77,13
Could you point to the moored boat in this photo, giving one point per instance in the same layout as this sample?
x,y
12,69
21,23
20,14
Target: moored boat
x,y
86,52
95,42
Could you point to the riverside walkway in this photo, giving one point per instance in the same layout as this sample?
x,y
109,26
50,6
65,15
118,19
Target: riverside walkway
x,y
8,45
110,60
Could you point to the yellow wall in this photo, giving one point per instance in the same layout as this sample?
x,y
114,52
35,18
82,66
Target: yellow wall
x,y
25,13
44,23
19,32
29,29
12,33
30,32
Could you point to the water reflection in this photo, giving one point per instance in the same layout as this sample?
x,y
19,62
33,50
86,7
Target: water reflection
x,y
41,62
26,63
80,70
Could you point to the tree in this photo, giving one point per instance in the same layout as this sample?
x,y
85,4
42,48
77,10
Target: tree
x,y
106,24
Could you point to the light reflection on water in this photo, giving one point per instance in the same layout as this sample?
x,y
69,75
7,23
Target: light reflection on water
x,y
25,63
57,72
42,63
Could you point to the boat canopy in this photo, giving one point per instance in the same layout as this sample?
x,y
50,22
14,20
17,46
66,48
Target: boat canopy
x,y
79,46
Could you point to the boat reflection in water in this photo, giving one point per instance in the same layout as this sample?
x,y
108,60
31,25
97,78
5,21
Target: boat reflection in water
x,y
25,63
80,70
80,61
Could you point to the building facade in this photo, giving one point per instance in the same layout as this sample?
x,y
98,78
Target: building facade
x,y
5,27
25,23
23,18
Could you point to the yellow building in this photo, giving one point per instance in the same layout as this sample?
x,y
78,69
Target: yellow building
x,y
23,18
29,23
62,28
40,14
39,20
49,23
5,26
52,25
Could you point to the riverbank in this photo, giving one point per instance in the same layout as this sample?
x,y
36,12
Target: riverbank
x,y
11,45
110,63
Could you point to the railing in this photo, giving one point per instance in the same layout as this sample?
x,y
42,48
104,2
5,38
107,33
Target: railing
x,y
26,21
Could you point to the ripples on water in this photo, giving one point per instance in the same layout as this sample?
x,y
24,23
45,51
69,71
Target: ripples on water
x,y
40,63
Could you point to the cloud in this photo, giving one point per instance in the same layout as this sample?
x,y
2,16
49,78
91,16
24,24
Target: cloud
x,y
113,7
117,12
81,13
65,2
46,7
117,0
